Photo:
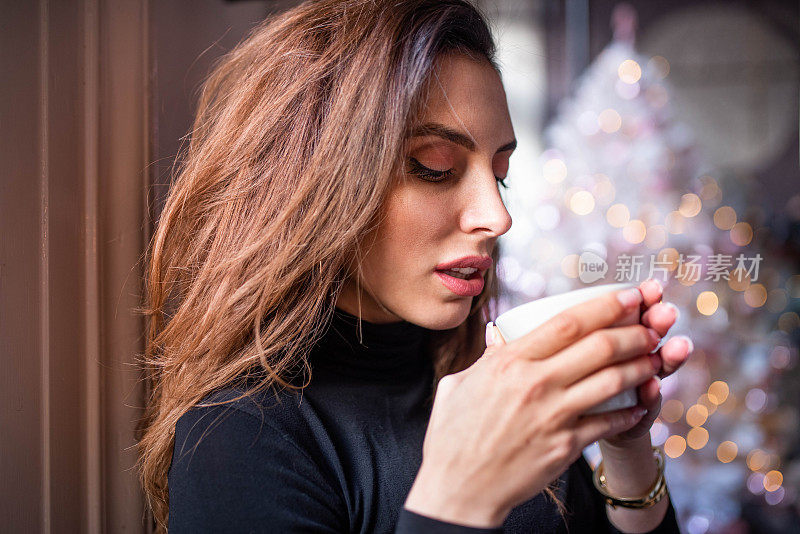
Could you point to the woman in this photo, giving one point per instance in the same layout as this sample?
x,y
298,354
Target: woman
x,y
302,321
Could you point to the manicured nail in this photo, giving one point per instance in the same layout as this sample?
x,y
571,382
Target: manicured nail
x,y
629,297
689,343
489,334
672,306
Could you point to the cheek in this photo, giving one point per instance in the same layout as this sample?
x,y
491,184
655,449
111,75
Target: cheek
x,y
414,231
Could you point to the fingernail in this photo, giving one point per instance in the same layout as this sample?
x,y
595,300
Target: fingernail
x,y
655,359
638,412
689,343
489,333
658,381
629,297
673,307
654,336
657,283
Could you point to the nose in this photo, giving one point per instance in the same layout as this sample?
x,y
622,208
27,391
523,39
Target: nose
x,y
483,209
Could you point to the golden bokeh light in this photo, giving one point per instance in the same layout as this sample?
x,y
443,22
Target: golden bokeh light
x,y
675,222
706,401
710,193
656,236
634,232
738,279
756,295
741,234
659,66
618,215
696,415
690,205
707,302
697,438
773,480
669,258
604,191
729,405
726,452
554,170
672,410
756,459
725,218
569,265
674,446
582,203
718,392
629,71
609,120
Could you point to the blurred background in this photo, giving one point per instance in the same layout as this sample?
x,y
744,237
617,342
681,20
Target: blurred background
x,y
656,139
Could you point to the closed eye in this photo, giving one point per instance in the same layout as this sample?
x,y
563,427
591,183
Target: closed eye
x,y
431,175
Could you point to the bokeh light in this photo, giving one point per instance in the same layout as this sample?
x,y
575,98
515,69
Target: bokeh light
x,y
697,438
674,446
718,392
755,296
696,415
741,234
629,71
725,218
582,203
690,205
609,120
634,232
618,215
707,302
726,451
554,170
672,410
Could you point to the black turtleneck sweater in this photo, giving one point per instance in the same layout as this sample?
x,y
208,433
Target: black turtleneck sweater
x,y
342,455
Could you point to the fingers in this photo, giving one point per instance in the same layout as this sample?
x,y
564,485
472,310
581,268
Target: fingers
x,y
660,317
674,353
601,348
576,322
652,290
608,382
590,428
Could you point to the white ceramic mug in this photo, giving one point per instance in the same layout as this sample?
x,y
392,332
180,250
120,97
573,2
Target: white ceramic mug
x,y
518,321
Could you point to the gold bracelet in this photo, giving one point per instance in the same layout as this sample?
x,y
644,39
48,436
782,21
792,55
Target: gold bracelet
x,y
654,494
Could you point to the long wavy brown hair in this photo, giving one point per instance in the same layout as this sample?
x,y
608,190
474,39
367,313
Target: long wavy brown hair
x,y
299,133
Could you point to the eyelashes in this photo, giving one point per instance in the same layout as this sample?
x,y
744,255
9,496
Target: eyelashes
x,y
431,175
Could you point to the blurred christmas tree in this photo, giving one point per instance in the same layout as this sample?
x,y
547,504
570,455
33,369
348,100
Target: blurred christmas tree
x,y
623,195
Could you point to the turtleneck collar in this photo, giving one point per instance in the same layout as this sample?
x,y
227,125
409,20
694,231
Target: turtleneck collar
x,y
375,351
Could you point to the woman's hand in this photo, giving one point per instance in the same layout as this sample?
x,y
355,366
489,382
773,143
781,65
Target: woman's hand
x,y
505,427
674,352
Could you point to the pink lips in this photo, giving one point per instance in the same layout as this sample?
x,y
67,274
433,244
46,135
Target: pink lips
x,y
471,286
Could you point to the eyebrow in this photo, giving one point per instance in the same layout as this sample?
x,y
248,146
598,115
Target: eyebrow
x,y
440,130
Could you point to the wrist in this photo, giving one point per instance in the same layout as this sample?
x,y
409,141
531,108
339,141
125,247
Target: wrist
x,y
624,448
434,497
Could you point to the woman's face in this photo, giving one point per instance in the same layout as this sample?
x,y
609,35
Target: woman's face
x,y
433,218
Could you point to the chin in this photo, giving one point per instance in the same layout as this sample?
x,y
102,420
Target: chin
x,y
447,315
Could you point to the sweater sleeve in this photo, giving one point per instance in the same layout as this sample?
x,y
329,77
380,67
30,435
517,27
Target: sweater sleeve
x,y
235,472
410,522
668,525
